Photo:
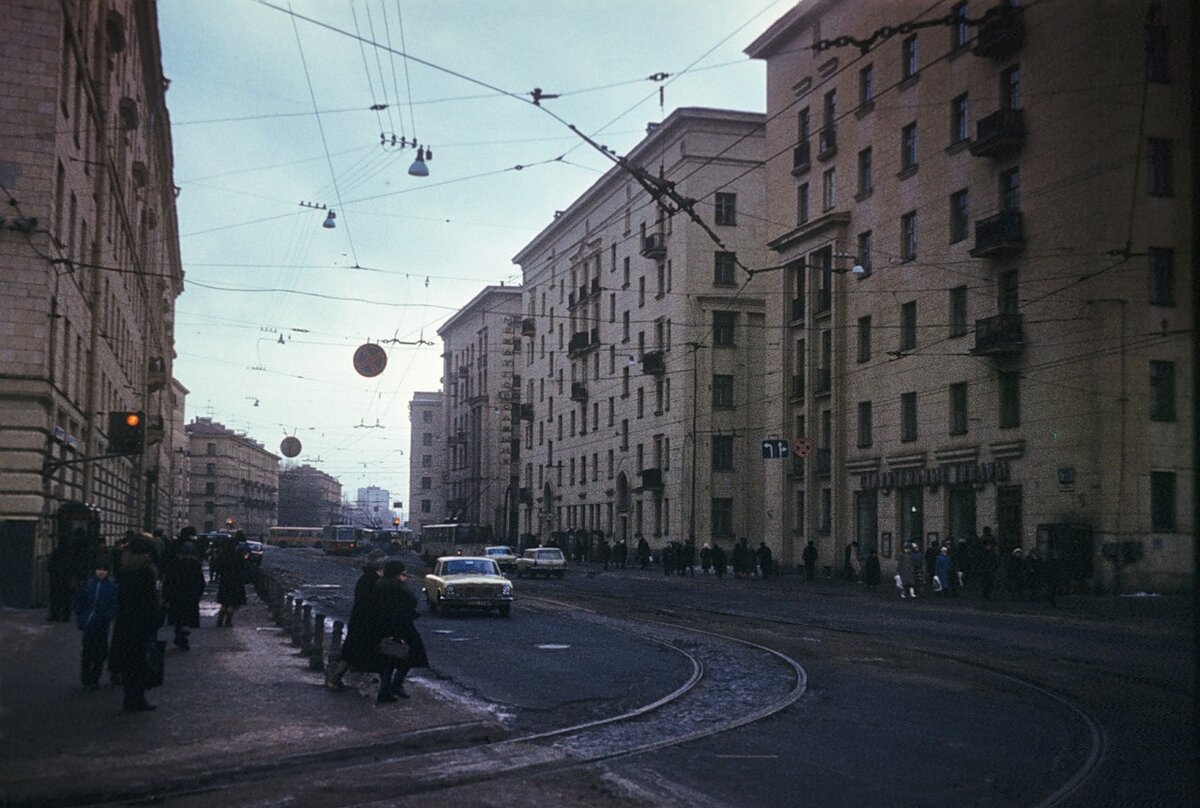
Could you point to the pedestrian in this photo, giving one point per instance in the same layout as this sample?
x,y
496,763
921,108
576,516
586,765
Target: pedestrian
x,y
356,647
942,571
1014,574
95,608
1031,572
765,560
906,570
621,553
809,556
182,587
668,558
393,612
719,560
871,571
137,621
986,565
59,570
851,563
688,557
1052,575
604,551
931,556
643,552
231,589
743,559
706,559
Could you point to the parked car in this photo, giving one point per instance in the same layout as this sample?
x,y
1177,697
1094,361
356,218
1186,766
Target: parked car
x,y
468,582
504,557
542,561
254,550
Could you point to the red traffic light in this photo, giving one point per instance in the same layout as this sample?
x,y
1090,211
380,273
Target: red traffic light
x,y
132,419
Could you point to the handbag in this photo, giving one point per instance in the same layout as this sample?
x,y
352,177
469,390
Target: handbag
x,y
393,648
156,652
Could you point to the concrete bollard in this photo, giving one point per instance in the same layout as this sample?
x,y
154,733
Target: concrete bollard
x,y
277,603
306,629
286,615
316,651
297,625
335,644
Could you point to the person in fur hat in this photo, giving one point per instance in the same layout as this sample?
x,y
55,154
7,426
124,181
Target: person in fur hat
x,y
356,648
137,622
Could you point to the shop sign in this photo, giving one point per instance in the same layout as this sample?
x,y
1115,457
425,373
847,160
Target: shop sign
x,y
995,471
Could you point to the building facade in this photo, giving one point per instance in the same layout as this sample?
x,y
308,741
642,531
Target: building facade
x,y
988,301
234,481
90,261
308,497
373,508
643,400
427,455
480,343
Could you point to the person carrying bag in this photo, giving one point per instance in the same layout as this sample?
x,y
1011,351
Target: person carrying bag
x,y
398,646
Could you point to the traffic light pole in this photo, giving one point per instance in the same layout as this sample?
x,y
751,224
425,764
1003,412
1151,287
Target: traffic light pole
x,y
50,467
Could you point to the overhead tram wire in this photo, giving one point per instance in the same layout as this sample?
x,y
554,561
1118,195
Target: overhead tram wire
x,y
375,105
407,77
379,67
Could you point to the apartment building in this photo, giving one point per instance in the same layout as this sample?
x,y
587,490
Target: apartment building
x,y
988,306
644,399
234,481
480,343
90,262
308,497
427,455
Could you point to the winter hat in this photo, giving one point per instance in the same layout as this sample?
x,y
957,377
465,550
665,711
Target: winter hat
x,y
376,559
393,568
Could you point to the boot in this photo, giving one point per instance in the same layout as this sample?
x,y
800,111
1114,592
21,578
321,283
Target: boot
x,y
221,615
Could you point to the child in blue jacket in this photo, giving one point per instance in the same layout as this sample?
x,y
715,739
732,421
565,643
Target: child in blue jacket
x,y
95,608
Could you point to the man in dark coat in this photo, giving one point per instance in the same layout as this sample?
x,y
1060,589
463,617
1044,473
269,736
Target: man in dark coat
x,y
393,612
137,622
183,586
60,571
231,589
356,648
809,557
643,552
765,560
719,560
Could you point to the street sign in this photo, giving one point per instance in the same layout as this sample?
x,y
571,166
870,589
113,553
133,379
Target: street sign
x,y
290,447
802,446
774,448
370,359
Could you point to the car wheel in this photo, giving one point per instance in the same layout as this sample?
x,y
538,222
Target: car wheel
x,y
504,610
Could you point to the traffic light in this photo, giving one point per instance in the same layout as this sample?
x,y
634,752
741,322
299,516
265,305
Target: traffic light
x,y
126,433
395,521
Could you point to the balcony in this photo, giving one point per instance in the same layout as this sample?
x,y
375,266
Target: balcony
x,y
999,336
595,286
652,479
823,461
579,391
998,236
571,301
156,375
999,134
801,158
579,343
1001,34
824,381
528,327
827,143
797,309
654,246
654,363
525,496
798,387
824,301
525,412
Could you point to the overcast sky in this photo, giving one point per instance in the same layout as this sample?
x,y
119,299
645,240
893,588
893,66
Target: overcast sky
x,y
270,110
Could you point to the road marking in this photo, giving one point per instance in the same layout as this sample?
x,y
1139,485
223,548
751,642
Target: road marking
x,y
747,757
552,646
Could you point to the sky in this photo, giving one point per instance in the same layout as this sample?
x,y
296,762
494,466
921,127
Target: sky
x,y
271,107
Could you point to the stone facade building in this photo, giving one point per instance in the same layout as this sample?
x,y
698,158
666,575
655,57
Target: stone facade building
x,y
427,456
234,481
1017,351
643,397
480,344
90,265
308,497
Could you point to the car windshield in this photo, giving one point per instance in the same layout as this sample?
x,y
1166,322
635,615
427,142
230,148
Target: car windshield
x,y
498,551
469,566
549,554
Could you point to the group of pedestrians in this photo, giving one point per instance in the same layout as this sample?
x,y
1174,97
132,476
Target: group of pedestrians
x,y
947,568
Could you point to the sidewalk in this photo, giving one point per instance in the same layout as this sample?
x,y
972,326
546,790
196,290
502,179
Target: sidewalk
x,y
239,700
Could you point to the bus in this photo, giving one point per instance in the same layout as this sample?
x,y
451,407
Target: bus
x,y
294,536
452,539
340,539
395,540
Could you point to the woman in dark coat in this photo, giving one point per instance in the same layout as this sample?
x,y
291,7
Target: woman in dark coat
x,y
183,586
871,572
356,648
231,590
137,622
393,610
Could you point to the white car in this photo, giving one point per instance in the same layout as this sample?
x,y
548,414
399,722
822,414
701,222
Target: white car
x,y
542,561
468,582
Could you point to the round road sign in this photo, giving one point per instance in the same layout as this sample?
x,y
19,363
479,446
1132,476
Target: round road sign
x,y
370,359
802,446
290,447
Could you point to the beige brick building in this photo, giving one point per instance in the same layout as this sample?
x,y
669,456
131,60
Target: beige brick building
x,y
234,481
480,343
90,266
308,497
428,452
644,399
1019,351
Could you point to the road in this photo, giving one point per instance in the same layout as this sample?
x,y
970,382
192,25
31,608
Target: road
x,y
634,688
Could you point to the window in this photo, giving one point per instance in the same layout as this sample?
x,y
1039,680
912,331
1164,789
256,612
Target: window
x,y
1161,263
958,408
958,311
798,526
210,468
625,434
722,517
804,126
908,326
908,416
908,57
625,272
641,291
864,338
865,181
959,216
427,416
726,208
724,323
1010,189
210,507
865,438
725,268
426,460
625,326
210,488
427,439
1162,500
828,190
1008,292
960,33
625,381
802,204
641,403
960,130
722,452
864,252
1010,88
908,236
1158,167
426,483
908,147
1162,391
722,392
1009,388
211,449
826,511
866,85
1158,63
661,281
829,110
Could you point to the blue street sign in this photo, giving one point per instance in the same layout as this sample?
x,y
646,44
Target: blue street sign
x,y
775,449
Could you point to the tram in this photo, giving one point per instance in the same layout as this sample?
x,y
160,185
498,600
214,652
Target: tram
x,y
459,538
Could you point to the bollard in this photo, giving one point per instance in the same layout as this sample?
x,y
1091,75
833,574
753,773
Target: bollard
x,y
306,630
297,624
316,653
335,644
287,610
277,603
